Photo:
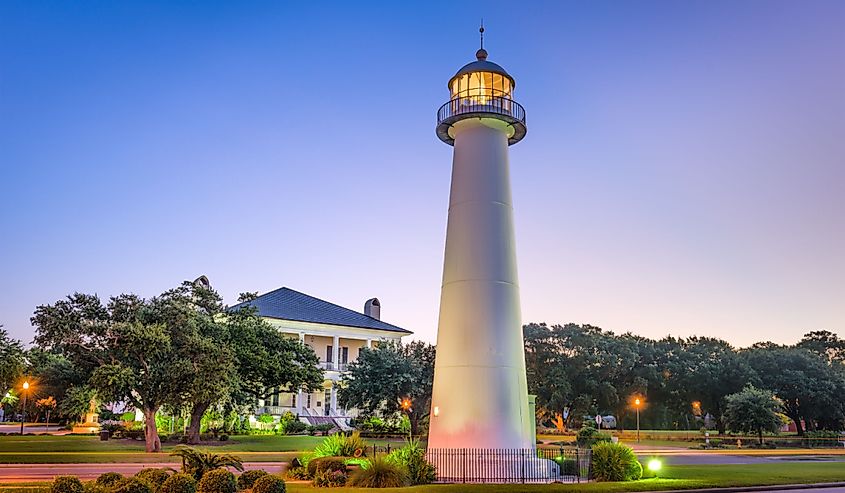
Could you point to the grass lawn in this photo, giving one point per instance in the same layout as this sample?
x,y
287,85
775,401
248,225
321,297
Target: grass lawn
x,y
674,477
88,449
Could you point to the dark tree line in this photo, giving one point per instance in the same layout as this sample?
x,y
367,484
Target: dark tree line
x,y
581,370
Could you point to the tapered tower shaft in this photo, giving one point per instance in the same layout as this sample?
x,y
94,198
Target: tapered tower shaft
x,y
480,395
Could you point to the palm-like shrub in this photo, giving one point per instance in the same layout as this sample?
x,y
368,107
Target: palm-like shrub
x,y
248,478
217,481
109,479
412,457
179,483
381,473
340,445
66,484
132,485
615,462
155,477
198,462
269,484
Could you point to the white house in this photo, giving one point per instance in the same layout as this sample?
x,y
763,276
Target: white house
x,y
336,334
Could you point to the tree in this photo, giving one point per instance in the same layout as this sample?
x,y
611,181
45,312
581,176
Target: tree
x,y
77,402
708,370
824,343
47,404
237,357
12,361
752,410
809,386
266,359
385,376
125,347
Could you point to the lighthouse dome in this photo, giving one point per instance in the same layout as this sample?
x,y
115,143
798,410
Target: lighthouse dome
x,y
482,65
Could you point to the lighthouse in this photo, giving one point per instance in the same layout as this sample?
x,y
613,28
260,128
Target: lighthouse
x,y
480,396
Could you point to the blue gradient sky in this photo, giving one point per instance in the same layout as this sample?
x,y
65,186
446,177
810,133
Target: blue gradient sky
x,y
683,173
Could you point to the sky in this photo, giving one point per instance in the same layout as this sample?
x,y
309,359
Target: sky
x,y
683,172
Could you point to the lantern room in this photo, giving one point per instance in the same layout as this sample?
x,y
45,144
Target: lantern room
x,y
481,89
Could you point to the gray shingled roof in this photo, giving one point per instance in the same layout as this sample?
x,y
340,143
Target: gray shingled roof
x,y
287,304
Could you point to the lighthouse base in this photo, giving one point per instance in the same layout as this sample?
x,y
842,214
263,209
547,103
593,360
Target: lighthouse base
x,y
497,466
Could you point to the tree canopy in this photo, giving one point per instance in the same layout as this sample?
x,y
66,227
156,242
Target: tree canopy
x,y
181,349
753,410
384,376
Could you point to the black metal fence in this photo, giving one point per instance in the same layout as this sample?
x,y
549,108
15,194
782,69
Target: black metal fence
x,y
558,465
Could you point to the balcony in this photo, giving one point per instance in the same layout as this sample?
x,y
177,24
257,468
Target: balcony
x,y
498,107
276,410
329,366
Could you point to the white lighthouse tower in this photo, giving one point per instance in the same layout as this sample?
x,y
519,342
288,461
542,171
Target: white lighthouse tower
x,y
480,397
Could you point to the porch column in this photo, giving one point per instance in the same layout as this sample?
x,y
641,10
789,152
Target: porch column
x,y
369,343
300,402
333,407
336,353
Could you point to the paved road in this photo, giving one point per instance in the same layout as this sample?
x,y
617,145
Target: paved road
x,y
31,428
818,490
16,473
686,456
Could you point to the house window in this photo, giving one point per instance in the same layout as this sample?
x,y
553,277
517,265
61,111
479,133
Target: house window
x,y
329,354
308,401
344,355
293,400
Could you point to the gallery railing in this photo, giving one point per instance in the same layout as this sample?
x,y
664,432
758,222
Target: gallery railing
x,y
560,465
497,105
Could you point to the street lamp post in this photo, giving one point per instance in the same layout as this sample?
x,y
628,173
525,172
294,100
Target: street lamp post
x,y
23,408
637,403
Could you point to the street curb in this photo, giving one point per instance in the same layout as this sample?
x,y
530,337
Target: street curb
x,y
771,487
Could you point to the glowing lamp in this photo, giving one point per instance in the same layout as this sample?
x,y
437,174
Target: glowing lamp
x,y
654,465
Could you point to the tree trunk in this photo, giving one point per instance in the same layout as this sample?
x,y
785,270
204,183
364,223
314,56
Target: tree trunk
x,y
414,419
760,435
796,418
153,443
196,421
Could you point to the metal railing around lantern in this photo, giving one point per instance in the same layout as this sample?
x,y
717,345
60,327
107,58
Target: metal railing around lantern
x,y
465,105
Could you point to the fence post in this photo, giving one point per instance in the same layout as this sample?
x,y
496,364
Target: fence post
x,y
464,469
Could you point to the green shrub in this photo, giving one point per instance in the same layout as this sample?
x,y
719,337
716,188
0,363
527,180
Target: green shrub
x,y
329,479
615,462
297,473
94,487
132,485
269,484
295,427
217,481
320,464
155,477
179,483
589,436
380,473
109,479
66,484
248,478
412,457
